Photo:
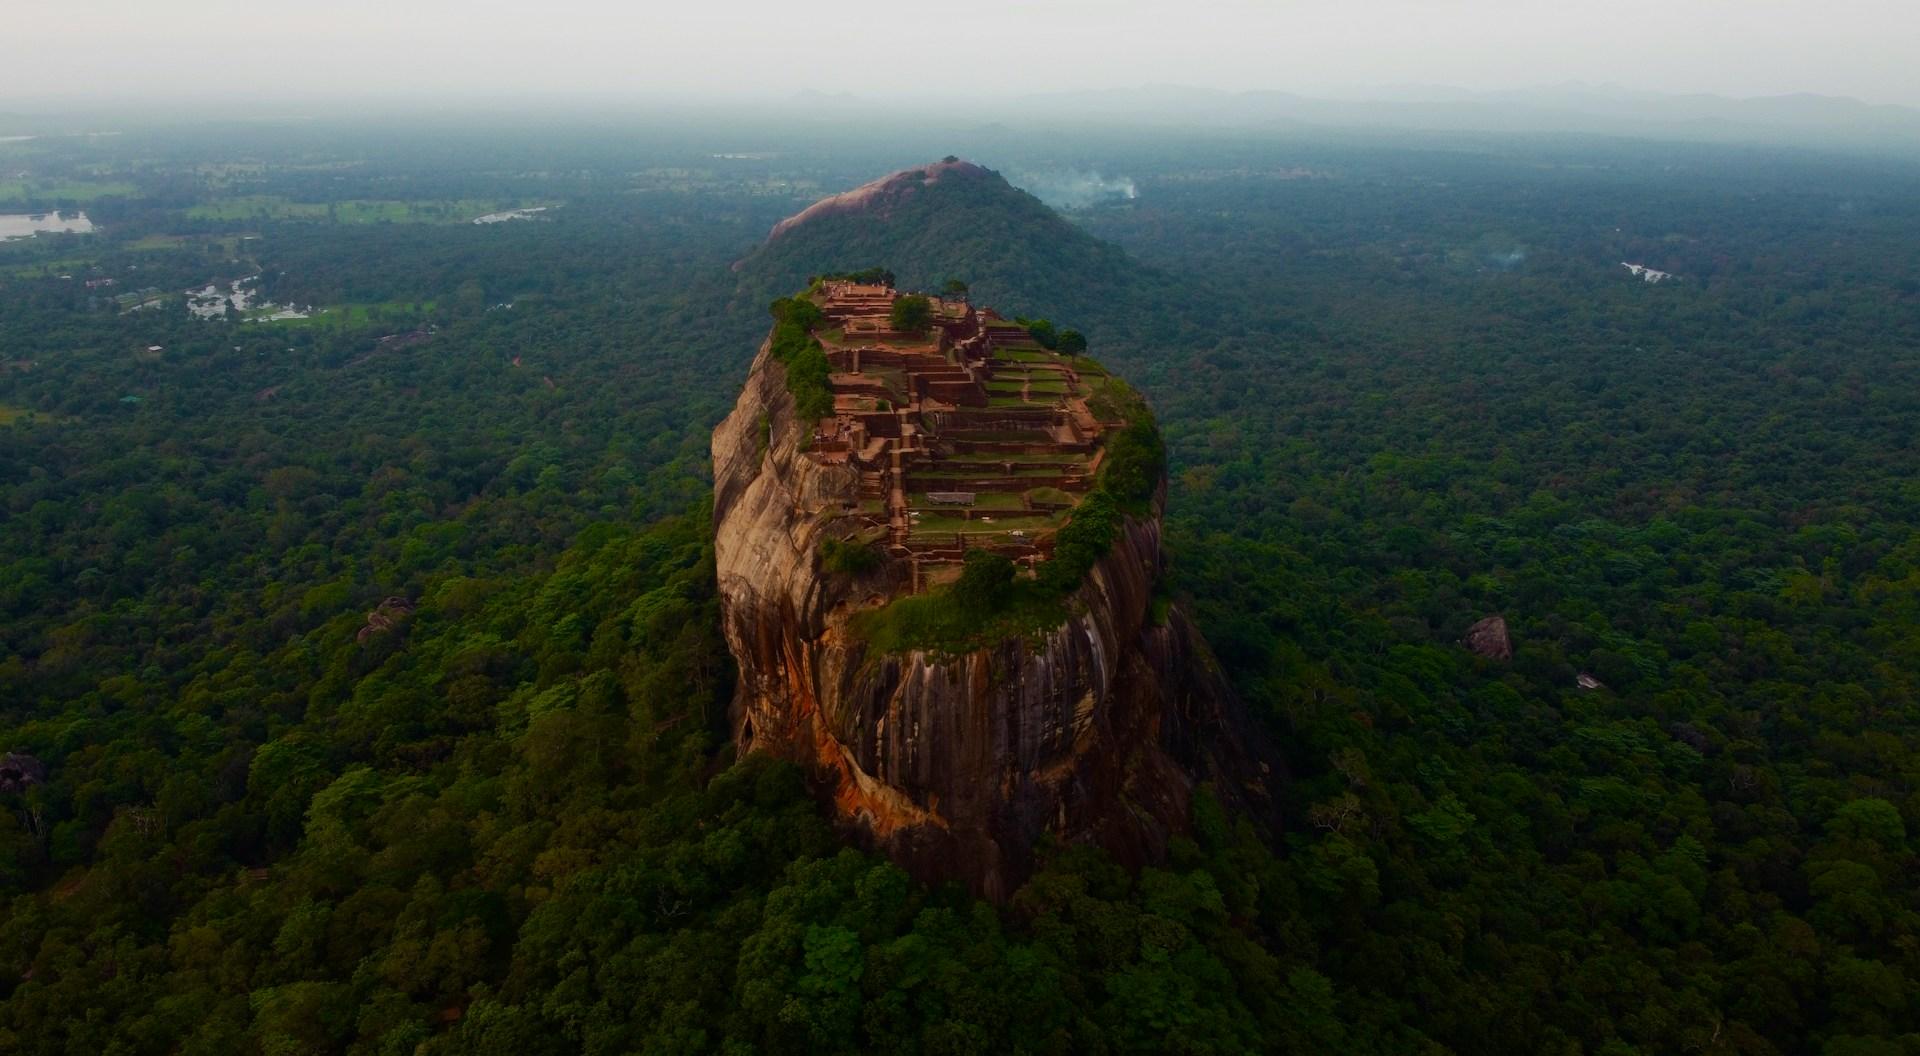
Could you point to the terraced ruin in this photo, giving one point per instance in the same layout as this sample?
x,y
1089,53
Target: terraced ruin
x,y
966,435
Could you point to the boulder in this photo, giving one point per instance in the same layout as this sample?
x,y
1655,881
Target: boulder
x,y
1489,638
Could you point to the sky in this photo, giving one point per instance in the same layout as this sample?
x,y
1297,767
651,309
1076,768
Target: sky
x,y
756,50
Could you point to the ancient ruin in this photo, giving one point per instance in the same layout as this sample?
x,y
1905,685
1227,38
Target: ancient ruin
x,y
966,435
855,478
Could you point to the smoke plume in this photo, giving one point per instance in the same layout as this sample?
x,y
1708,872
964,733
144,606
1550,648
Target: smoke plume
x,y
1076,190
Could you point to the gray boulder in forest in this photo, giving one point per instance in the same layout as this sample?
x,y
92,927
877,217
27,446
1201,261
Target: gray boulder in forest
x,y
1489,638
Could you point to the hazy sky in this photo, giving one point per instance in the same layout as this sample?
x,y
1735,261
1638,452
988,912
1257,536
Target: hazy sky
x,y
758,49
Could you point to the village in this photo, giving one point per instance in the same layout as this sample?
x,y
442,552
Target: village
x,y
966,435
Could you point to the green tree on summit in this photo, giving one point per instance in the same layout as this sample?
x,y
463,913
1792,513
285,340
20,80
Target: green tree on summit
x,y
986,579
911,314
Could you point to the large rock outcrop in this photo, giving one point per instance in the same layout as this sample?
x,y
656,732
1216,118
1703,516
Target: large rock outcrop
x,y
957,766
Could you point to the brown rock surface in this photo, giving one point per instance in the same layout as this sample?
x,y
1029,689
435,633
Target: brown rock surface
x,y
957,765
878,195
1489,638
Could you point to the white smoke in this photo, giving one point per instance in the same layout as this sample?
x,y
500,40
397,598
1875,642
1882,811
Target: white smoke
x,y
1076,190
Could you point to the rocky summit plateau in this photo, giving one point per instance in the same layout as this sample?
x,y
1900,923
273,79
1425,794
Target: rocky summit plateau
x,y
939,555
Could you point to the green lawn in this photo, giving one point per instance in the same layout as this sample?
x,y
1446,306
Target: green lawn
x,y
351,316
978,474
927,526
1016,436
1023,355
995,460
1050,495
982,500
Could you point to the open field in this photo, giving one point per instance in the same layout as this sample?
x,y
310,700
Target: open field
x,y
46,268
355,211
62,190
10,414
347,316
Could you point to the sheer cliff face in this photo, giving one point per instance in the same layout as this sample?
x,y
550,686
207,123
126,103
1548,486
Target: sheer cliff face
x,y
957,765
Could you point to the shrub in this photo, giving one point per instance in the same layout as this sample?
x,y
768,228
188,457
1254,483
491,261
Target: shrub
x,y
911,314
867,276
807,368
851,557
986,582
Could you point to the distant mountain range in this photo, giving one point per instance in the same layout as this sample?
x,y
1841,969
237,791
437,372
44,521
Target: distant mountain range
x,y
1812,120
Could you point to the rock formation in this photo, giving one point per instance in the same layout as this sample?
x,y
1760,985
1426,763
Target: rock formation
x,y
882,195
19,772
957,764
1489,638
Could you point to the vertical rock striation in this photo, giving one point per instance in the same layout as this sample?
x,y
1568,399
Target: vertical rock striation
x,y
957,765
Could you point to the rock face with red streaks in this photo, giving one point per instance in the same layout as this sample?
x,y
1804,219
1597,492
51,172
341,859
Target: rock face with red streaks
x,y
1098,730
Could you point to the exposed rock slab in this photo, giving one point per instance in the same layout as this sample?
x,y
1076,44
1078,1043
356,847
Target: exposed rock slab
x,y
957,765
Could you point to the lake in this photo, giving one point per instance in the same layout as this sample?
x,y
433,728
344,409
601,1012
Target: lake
x,y
26,225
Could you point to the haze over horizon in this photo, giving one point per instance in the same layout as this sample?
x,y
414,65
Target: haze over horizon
x,y
745,51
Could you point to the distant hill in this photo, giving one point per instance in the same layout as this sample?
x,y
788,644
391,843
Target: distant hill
x,y
1800,119
956,219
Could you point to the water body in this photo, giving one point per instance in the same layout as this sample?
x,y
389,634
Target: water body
x,y
27,225
511,214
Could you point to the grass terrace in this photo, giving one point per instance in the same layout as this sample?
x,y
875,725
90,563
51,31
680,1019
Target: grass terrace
x,y
982,500
1034,499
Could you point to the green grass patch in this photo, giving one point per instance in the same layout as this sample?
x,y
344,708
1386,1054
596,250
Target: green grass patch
x,y
348,316
10,414
48,268
982,500
931,525
353,211
1049,495
995,461
1014,436
980,474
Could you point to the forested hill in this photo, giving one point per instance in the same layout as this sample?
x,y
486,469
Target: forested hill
x,y
956,220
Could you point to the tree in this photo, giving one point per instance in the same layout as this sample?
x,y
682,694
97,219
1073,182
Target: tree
x,y
1072,342
985,580
911,314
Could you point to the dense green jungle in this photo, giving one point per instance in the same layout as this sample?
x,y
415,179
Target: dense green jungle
x,y
359,645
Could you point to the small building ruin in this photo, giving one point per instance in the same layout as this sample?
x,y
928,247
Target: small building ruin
x,y
968,435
